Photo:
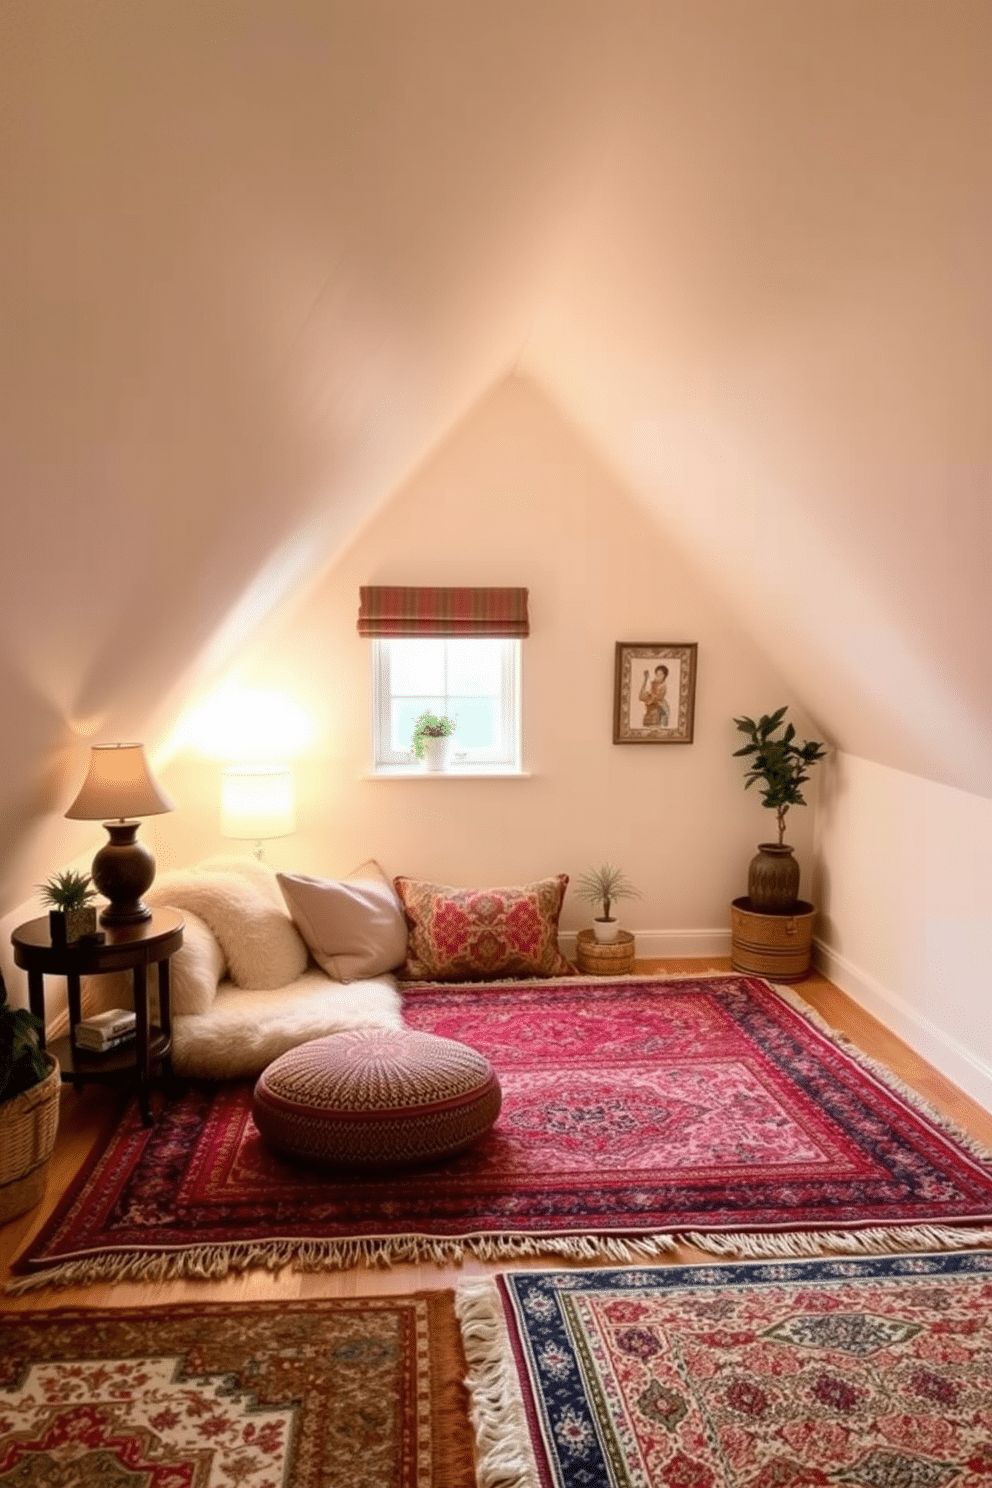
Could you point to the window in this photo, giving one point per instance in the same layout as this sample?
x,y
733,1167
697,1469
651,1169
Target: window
x,y
475,679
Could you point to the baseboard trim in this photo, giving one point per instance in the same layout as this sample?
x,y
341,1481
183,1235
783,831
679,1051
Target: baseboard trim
x,y
941,1049
653,944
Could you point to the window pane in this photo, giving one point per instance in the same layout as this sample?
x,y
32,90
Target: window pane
x,y
404,713
474,667
473,680
478,722
416,667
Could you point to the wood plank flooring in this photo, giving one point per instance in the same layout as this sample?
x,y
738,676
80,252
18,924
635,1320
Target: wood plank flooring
x,y
88,1117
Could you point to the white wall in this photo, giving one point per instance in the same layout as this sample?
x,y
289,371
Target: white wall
x,y
516,497
905,888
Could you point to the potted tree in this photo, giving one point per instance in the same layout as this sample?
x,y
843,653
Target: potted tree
x,y
602,886
71,915
29,1109
772,928
432,736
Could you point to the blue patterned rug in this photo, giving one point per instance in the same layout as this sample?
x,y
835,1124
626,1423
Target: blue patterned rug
x,y
873,1372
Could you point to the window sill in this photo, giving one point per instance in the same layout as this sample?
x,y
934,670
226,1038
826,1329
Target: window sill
x,y
403,772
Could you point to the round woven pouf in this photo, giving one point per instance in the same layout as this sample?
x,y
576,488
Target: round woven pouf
x,y
376,1097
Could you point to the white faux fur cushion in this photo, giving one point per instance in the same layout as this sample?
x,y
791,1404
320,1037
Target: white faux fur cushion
x,y
260,944
257,873
195,969
354,927
244,1031
194,972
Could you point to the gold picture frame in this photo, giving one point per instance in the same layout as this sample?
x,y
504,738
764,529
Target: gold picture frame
x,y
654,698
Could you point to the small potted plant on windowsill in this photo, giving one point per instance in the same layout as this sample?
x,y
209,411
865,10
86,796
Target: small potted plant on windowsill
x,y
29,1109
71,916
602,886
432,738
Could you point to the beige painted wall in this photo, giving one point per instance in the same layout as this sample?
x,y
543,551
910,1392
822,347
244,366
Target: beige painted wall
x,y
516,497
905,886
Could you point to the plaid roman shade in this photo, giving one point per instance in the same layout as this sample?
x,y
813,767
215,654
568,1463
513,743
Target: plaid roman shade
x,y
393,610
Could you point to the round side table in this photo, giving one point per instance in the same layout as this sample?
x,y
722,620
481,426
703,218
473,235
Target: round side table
x,y
124,948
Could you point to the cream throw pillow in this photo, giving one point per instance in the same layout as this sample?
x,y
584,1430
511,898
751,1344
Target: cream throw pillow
x,y
354,927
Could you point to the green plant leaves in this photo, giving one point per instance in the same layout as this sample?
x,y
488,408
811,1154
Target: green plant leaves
x,y
67,890
780,765
22,1064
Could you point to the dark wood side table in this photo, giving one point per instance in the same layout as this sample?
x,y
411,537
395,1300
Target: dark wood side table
x,y
126,948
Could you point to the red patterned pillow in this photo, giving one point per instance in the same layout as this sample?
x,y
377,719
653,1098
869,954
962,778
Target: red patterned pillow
x,y
465,934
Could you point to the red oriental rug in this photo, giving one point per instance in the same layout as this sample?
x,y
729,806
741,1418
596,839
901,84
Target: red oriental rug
x,y
868,1372
635,1113
356,1393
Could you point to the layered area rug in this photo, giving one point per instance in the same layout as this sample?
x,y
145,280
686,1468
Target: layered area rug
x,y
870,1372
718,1111
363,1392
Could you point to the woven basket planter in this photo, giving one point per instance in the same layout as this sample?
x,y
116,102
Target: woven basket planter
x,y
605,957
28,1125
779,946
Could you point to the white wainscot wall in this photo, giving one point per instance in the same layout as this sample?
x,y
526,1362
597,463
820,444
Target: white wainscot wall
x,y
906,901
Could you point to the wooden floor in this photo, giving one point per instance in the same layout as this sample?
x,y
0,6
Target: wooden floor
x,y
86,1118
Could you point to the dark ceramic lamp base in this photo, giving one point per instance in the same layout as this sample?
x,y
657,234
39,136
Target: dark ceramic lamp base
x,y
122,870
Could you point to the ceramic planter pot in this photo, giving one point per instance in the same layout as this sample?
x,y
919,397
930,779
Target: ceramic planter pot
x,y
67,925
436,752
605,931
773,878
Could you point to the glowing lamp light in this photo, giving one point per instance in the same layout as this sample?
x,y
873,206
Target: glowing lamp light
x,y
257,803
246,723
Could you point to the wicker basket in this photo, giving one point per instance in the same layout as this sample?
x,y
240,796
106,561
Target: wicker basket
x,y
605,957
778,946
28,1124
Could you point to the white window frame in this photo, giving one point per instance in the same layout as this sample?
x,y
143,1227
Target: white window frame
x,y
503,758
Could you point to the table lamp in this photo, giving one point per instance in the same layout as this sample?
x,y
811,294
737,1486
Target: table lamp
x,y
256,803
119,785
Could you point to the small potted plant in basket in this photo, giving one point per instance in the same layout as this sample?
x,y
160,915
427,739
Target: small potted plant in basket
x,y
71,916
432,736
602,886
29,1109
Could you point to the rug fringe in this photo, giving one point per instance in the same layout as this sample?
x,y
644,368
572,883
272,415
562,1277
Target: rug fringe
x,y
504,1456
799,1244
213,1262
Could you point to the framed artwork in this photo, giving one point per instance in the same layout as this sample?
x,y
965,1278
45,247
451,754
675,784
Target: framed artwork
x,y
655,692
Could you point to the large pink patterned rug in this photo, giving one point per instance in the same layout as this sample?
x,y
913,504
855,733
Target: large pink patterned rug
x,y
635,1112
858,1373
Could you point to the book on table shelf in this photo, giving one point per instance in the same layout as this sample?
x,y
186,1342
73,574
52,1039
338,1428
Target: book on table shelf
x,y
105,1030
94,1046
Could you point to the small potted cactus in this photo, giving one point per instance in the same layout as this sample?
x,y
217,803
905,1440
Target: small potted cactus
x,y
71,916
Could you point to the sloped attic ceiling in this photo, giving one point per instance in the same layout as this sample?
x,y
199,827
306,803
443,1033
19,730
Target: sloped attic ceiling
x,y
257,259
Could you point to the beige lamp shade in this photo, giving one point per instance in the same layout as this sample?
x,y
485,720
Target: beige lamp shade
x,y
118,785
257,802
